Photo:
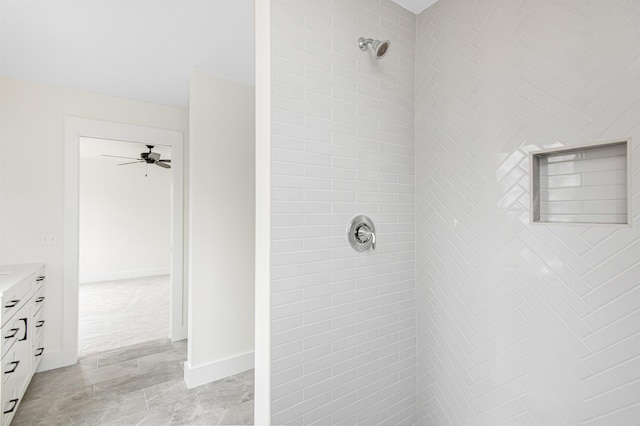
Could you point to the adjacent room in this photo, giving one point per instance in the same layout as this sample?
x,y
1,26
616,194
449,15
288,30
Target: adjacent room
x,y
125,244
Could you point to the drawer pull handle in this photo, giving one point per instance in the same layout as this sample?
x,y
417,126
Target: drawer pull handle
x,y
14,402
40,278
26,328
12,304
12,334
39,299
39,323
15,365
41,350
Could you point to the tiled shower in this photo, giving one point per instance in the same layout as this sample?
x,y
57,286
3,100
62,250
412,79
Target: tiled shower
x,y
466,312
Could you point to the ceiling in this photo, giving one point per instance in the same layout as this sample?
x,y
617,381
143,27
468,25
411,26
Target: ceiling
x,y
135,49
95,149
415,6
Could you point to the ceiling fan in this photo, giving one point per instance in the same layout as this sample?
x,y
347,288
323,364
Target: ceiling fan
x,y
145,157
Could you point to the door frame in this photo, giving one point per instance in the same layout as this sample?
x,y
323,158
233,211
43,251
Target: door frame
x,y
75,128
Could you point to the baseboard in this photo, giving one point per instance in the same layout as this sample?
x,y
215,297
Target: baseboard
x,y
207,373
122,275
50,360
179,334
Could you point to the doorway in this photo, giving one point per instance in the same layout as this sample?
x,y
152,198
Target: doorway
x,y
124,243
75,129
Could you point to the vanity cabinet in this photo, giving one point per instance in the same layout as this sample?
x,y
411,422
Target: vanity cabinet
x,y
21,333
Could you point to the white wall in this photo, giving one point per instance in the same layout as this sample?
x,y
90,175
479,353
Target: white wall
x,y
221,238
262,376
342,134
125,219
32,172
521,323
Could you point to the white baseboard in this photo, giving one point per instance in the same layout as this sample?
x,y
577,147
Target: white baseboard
x,y
207,373
50,360
122,275
179,334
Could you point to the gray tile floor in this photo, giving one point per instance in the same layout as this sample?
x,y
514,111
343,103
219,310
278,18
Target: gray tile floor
x,y
140,384
122,312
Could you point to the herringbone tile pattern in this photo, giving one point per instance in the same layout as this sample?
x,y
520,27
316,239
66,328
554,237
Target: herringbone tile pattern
x,y
520,323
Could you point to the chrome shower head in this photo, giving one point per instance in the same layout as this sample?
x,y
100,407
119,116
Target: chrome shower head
x,y
380,47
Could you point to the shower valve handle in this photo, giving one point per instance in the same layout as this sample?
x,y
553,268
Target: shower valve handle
x,y
364,234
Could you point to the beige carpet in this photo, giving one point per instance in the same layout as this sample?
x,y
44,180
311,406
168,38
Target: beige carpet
x,y
122,313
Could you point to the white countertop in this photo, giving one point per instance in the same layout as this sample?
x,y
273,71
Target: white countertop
x,y
11,274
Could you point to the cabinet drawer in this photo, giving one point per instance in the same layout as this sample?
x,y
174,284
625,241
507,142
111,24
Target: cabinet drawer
x,y
39,278
15,365
9,401
16,297
38,322
14,331
37,301
37,350
16,373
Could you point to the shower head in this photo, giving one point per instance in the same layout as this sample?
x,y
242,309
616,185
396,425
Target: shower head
x,y
380,47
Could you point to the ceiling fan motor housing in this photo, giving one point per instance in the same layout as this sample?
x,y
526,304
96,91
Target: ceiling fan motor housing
x,y
150,157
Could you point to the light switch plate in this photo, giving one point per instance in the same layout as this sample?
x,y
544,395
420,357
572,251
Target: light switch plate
x,y
48,239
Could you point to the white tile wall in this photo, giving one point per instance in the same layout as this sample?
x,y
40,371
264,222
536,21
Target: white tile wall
x,y
581,185
522,324
343,323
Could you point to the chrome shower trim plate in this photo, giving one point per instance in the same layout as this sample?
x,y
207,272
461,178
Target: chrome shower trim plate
x,y
361,233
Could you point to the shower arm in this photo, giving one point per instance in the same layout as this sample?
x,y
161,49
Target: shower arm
x,y
363,42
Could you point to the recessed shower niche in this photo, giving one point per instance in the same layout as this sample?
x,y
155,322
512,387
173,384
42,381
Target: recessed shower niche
x,y
587,184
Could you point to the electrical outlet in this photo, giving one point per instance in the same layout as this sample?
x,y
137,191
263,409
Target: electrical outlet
x,y
48,239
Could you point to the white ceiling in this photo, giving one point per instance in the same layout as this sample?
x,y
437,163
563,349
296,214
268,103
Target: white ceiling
x,y
136,49
415,6
96,149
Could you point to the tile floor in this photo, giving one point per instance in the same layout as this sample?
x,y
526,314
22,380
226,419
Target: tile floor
x,y
130,311
140,384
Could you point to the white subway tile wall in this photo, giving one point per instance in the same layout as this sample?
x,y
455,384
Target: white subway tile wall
x,y
521,324
343,322
581,185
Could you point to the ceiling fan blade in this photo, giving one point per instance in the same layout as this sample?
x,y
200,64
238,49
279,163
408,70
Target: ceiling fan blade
x,y
118,156
165,165
165,161
132,162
